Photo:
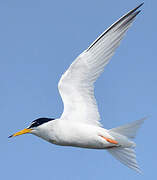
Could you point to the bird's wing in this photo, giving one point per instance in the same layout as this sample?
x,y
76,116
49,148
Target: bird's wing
x,y
76,85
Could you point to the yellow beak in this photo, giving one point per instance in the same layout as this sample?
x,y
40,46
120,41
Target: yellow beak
x,y
24,131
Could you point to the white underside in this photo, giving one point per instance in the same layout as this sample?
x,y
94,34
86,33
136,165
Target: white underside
x,y
78,134
89,136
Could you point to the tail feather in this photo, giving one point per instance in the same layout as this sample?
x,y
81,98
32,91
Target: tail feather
x,y
126,156
129,130
125,152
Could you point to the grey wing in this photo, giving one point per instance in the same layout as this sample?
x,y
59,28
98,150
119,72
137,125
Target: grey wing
x,y
76,85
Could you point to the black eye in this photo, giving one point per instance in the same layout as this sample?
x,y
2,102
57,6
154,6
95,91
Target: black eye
x,y
33,124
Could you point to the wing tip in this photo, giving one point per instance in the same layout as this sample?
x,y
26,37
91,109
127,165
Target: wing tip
x,y
132,12
140,5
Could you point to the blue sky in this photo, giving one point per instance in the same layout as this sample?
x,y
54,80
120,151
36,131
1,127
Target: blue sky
x,y
39,39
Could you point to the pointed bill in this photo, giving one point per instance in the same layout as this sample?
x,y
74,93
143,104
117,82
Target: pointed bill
x,y
24,131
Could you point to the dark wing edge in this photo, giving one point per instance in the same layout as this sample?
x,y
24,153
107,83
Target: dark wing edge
x,y
133,12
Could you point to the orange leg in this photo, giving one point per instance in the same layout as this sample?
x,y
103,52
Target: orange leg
x,y
110,140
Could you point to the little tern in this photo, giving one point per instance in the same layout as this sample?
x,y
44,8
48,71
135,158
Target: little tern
x,y
79,124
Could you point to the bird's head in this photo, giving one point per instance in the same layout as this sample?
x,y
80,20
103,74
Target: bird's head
x,y
33,126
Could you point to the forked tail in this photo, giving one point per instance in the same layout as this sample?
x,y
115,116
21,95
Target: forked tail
x,y
126,154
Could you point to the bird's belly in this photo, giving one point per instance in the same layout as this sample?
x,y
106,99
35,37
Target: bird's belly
x,y
90,145
83,144
80,137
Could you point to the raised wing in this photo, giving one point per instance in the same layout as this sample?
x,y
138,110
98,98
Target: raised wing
x,y
76,85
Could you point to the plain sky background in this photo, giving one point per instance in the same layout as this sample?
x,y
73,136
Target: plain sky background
x,y
39,39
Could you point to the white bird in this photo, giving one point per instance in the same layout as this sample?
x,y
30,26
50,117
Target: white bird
x,y
79,124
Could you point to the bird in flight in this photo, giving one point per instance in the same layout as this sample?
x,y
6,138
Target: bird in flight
x,y
79,124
